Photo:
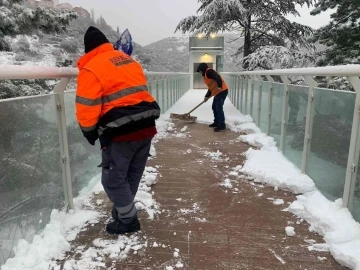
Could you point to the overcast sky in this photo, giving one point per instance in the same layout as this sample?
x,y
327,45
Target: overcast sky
x,y
151,20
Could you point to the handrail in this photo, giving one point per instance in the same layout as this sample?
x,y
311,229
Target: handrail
x,y
14,72
344,70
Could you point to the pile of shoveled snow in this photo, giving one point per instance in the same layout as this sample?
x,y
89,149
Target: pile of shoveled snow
x,y
53,241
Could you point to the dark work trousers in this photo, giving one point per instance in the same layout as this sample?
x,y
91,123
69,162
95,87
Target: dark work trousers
x,y
218,109
123,164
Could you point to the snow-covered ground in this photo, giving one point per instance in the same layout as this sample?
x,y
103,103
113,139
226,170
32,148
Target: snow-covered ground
x,y
264,164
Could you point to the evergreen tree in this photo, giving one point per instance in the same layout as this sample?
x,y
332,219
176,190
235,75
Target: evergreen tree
x,y
342,34
102,24
16,18
263,24
93,14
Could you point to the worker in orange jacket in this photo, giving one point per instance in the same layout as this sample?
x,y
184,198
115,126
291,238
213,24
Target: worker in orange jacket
x,y
113,105
218,89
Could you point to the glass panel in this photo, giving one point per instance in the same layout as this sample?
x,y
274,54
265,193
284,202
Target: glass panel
x,y
84,157
356,200
161,96
31,183
333,115
264,106
276,112
296,121
256,101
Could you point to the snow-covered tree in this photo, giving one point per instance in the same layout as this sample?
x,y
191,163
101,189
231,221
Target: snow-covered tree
x,y
260,23
275,57
342,34
16,18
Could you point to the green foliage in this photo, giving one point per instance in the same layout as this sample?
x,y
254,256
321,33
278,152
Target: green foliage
x,y
342,34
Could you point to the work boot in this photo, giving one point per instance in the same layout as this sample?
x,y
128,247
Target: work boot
x,y
212,125
118,227
114,213
220,129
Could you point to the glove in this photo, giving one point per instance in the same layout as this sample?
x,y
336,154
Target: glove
x,y
91,136
206,99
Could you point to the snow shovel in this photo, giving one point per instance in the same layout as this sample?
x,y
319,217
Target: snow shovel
x,y
186,117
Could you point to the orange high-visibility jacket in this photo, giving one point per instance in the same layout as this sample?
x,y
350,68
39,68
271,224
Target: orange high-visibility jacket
x,y
213,86
112,97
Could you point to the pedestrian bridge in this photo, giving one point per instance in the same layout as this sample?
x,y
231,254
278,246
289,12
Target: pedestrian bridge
x,y
209,200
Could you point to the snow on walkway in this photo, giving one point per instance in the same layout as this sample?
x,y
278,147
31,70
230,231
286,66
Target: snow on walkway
x,y
341,232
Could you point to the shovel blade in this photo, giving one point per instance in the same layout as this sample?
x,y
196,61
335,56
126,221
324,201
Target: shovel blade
x,y
183,117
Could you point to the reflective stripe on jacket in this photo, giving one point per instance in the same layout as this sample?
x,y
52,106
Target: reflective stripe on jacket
x,y
112,94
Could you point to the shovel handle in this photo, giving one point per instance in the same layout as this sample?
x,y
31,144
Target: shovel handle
x,y
196,107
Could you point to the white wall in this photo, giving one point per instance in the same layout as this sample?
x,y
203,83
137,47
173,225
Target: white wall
x,y
199,57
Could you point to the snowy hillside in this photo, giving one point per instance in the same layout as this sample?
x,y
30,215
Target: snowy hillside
x,y
173,53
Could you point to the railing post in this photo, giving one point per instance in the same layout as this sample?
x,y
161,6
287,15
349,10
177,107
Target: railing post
x,y
64,145
353,157
246,93
238,92
270,95
168,93
251,95
241,94
174,90
259,100
309,122
163,94
158,94
234,94
286,82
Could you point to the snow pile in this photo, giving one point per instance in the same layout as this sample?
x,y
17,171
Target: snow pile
x,y
272,168
259,140
290,231
118,249
184,129
144,199
227,183
341,232
214,155
167,128
278,202
53,241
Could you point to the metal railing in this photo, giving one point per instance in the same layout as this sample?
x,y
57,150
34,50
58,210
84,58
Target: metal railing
x,y
316,128
44,159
